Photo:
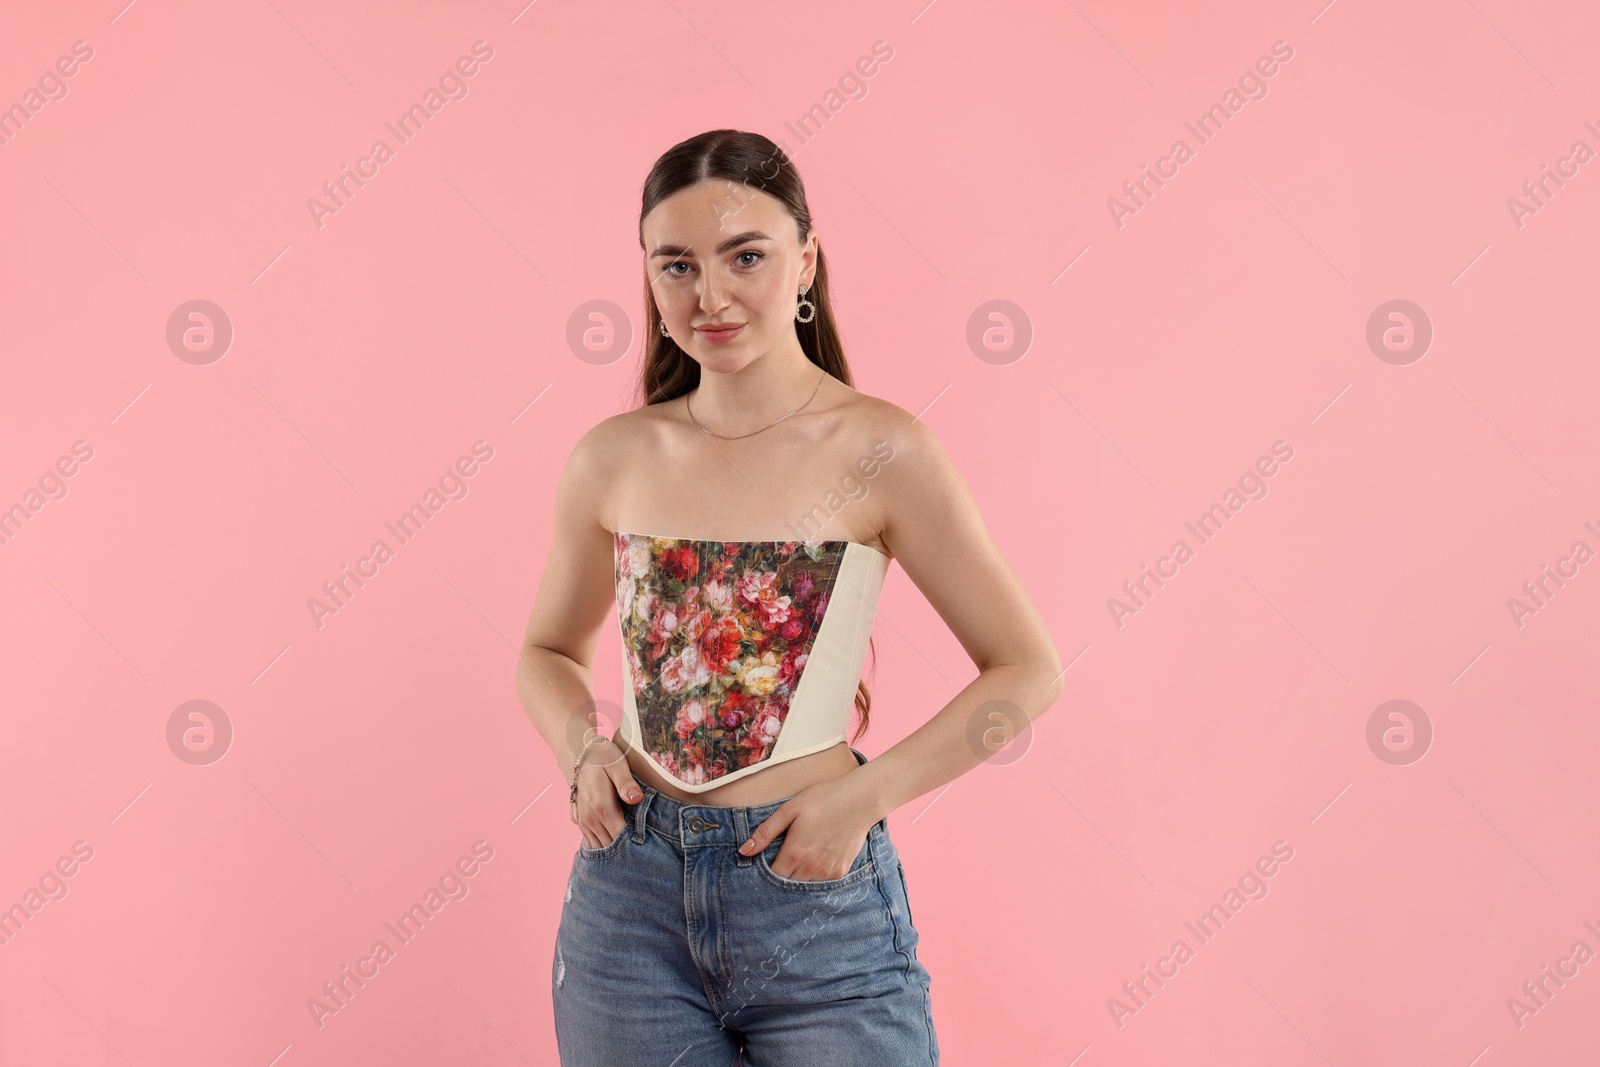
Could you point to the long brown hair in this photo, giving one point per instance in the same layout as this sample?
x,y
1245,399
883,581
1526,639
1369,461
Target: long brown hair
x,y
667,371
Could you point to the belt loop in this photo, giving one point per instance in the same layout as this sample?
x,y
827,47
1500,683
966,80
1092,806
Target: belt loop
x,y
741,830
639,813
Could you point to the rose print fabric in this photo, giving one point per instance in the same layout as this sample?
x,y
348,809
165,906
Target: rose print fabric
x,y
717,634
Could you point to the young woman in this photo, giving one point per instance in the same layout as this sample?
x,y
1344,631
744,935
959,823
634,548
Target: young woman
x,y
736,892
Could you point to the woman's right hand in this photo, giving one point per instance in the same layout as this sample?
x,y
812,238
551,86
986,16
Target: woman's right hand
x,y
604,780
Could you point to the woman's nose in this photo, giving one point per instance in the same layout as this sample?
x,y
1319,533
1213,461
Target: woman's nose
x,y
712,295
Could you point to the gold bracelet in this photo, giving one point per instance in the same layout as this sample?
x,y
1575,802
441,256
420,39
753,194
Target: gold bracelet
x,y
572,794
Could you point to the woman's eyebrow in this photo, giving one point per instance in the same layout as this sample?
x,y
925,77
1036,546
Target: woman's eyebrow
x,y
732,242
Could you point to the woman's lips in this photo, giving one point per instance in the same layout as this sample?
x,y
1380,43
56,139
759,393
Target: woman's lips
x,y
726,334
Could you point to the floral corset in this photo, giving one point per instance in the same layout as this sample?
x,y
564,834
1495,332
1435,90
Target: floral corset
x,y
740,654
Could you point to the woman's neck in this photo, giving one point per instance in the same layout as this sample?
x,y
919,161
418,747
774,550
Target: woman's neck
x,y
756,395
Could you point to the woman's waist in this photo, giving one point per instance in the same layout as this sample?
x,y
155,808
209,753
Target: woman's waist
x,y
777,782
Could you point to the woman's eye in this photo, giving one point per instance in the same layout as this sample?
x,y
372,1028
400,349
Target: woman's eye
x,y
756,257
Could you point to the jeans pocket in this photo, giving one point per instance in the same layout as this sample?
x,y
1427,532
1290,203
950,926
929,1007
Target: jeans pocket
x,y
861,868
607,851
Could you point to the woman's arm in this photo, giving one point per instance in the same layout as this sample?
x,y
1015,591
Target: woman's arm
x,y
554,680
933,528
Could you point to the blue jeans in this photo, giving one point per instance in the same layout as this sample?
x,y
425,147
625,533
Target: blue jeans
x,y
676,950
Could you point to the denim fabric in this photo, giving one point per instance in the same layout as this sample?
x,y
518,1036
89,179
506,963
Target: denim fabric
x,y
675,950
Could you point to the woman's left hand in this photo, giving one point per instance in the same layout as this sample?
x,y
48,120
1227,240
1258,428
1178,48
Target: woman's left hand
x,y
824,827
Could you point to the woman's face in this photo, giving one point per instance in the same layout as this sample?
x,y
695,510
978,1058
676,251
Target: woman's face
x,y
721,252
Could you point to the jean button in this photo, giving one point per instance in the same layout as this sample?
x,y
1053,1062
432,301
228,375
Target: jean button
x,y
699,825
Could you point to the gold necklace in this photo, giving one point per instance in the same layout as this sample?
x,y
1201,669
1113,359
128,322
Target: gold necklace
x,y
768,426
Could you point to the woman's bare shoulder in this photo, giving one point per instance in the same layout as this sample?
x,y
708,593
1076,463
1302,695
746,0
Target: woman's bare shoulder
x,y
609,442
602,466
874,419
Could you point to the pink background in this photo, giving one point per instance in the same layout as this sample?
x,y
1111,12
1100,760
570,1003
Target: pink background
x,y
433,310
